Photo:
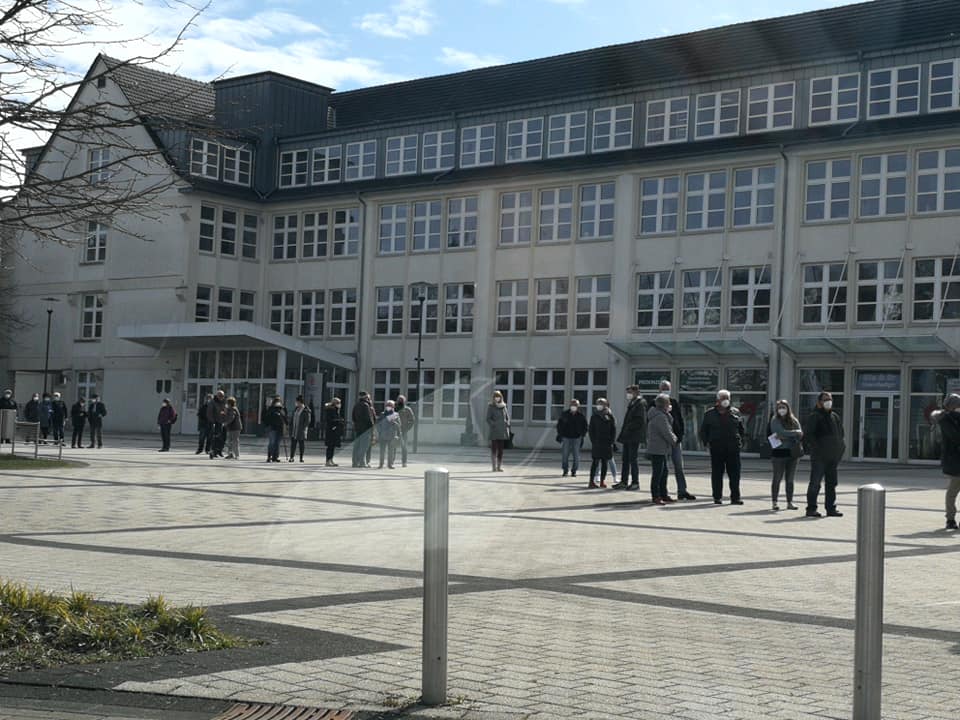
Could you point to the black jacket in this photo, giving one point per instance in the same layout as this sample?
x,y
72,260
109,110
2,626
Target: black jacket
x,y
722,432
634,427
603,433
31,411
677,414
571,425
59,415
823,436
949,423
7,403
202,421
78,412
96,411
334,425
363,417
275,418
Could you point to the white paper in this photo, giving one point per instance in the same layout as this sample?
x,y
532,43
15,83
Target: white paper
x,y
774,441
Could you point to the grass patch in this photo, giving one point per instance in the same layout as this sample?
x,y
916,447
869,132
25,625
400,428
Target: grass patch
x,y
17,462
41,630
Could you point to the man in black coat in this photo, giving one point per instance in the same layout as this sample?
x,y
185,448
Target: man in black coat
x,y
949,421
364,419
8,403
676,456
571,429
96,411
722,431
78,417
216,413
58,418
632,433
203,425
823,437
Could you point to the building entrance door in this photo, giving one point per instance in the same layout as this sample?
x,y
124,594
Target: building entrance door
x,y
877,422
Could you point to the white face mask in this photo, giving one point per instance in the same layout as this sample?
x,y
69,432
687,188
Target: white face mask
x,y
782,412
500,403
827,404
600,408
574,408
725,403
629,397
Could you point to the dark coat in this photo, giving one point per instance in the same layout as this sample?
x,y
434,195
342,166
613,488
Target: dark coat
x,y
167,415
275,418
334,426
634,427
407,418
949,423
571,425
722,432
31,411
677,414
202,422
363,417
46,413
8,403
78,413
96,411
299,424
232,420
823,436
603,433
58,412
498,422
216,411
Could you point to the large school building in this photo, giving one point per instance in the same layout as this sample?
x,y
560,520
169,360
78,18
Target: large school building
x,y
768,207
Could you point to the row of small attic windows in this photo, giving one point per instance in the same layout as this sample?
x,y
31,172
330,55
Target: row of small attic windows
x,y
834,99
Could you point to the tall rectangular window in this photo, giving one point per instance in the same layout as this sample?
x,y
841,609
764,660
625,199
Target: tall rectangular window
x,y
717,114
513,306
596,211
293,168
361,160
225,304
655,299
393,229
248,246
753,196
91,317
659,204
525,139
567,134
512,384
431,306
556,215
880,291
454,394
205,159
458,299
478,145
316,231
237,165
883,185
750,295
462,222
824,293
701,298
312,309
326,164
228,232
593,303
281,312
390,310
549,389
401,155
828,190
835,99
285,237
936,289
439,150
894,91
343,312
208,228
386,386
552,309
98,165
247,306
427,225
667,120
612,128
203,308
346,232
944,86
424,406
706,198
770,107
95,247
588,387
516,217
938,180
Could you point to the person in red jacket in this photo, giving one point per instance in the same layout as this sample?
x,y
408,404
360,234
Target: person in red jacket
x,y
165,419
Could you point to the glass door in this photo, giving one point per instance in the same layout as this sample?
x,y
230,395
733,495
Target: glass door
x,y
877,422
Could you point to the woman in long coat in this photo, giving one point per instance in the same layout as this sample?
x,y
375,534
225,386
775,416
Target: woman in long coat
x,y
334,425
498,428
603,433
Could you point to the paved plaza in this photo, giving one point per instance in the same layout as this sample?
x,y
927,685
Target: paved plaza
x,y
564,601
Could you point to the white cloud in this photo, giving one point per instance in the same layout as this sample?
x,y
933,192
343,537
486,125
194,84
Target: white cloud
x,y
567,2
405,18
466,60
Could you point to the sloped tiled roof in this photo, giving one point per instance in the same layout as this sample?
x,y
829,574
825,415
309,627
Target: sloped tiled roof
x,y
158,94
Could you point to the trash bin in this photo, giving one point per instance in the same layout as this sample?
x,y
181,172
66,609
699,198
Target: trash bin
x,y
8,424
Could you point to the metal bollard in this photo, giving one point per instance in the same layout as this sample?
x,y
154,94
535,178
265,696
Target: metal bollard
x,y
435,565
868,638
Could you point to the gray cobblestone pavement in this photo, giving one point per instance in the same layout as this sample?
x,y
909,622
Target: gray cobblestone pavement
x,y
563,600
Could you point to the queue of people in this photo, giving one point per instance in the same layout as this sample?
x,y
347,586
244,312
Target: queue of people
x,y
50,414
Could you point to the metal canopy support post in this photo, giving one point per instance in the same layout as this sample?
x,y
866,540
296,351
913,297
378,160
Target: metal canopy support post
x,y
436,503
868,634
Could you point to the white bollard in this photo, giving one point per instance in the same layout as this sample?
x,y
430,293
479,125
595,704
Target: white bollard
x,y
435,566
868,637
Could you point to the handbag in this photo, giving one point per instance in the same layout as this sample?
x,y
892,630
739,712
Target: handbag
x,y
796,451
508,443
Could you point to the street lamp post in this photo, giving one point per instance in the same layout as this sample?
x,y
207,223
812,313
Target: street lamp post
x,y
46,354
422,299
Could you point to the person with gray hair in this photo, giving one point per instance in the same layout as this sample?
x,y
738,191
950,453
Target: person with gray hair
x,y
676,455
722,431
949,422
660,442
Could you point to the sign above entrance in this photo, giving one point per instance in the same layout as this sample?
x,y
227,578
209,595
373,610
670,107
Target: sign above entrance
x,y
878,381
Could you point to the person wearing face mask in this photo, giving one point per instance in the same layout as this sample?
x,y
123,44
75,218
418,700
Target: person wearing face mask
x,y
275,420
722,431
676,455
407,421
571,429
31,413
603,432
660,443
949,422
825,443
335,425
166,418
8,403
498,428
78,417
46,416
785,457
299,424
632,432
58,418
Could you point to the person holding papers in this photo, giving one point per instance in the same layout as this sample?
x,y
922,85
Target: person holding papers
x,y
785,437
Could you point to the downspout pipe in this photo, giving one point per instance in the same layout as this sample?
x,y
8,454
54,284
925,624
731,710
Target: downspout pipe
x,y
776,351
361,285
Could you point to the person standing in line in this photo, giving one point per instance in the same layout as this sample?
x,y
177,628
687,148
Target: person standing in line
x,y
721,430
363,422
388,428
948,421
8,403
786,427
333,430
660,443
407,421
203,425
46,415
78,416
825,443
96,412
233,424
632,432
603,432
571,429
31,413
165,419
300,423
676,455
275,420
215,412
58,418
498,429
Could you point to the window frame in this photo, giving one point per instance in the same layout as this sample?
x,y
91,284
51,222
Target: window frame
x,y
556,210
513,307
664,286
289,235
311,313
946,175
346,233
883,179
431,223
755,189
97,231
326,164
565,136
770,112
831,184
393,227
516,219
895,93
239,169
953,92
705,292
601,205
363,155
706,213
717,121
455,383
670,119
618,139
293,165
91,316
941,284
397,160
391,299
283,314
520,147
552,304
445,153
551,382
829,292
342,313
834,93
759,280
881,299
99,166
598,303
431,291
204,158
462,302
484,145
655,205
462,224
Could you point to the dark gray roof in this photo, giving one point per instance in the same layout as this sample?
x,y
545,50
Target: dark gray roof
x,y
807,37
156,94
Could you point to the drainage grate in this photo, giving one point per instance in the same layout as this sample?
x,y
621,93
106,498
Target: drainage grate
x,y
252,711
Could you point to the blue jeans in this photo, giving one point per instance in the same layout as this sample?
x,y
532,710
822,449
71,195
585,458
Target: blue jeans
x,y
273,444
676,456
568,447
